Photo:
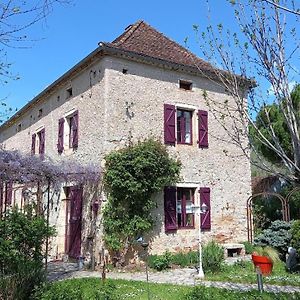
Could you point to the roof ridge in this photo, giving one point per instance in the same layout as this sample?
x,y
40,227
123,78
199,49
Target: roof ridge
x,y
129,30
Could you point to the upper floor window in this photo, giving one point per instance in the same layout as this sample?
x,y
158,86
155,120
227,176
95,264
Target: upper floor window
x,y
184,126
179,123
185,85
68,132
38,142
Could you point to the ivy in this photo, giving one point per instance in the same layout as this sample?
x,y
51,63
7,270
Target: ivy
x,y
132,176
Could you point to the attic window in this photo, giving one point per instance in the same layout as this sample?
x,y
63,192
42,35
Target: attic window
x,y
40,113
19,127
69,92
185,85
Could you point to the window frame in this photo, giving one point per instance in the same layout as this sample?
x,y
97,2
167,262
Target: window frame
x,y
183,133
192,191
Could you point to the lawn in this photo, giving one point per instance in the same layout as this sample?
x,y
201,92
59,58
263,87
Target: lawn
x,y
93,289
243,272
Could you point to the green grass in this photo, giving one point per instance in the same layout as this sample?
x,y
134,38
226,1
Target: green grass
x,y
87,288
244,273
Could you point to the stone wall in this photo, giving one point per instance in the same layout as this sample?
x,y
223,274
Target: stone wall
x,y
117,108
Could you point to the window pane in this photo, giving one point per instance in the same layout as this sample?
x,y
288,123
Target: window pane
x,y
179,209
188,207
188,119
189,220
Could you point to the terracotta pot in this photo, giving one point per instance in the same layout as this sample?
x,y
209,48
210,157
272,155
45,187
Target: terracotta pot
x,y
264,263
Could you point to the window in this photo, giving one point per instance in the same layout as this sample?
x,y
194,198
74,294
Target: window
x,y
185,199
68,132
184,126
38,142
178,204
185,85
71,133
178,126
40,113
69,92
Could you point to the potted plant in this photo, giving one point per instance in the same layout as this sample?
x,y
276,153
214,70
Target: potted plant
x,y
264,258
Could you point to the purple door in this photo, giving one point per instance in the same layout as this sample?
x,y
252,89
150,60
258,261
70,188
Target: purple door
x,y
75,221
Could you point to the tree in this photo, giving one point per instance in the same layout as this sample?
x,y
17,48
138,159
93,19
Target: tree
x,y
16,16
272,113
265,49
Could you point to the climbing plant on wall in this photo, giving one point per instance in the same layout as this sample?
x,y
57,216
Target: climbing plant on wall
x,y
132,176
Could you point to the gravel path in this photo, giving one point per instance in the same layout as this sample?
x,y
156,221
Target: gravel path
x,y
186,276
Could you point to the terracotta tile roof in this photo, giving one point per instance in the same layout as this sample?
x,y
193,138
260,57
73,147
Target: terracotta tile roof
x,y
143,39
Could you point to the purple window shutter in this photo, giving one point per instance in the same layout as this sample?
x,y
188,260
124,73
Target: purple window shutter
x,y
75,221
1,198
75,129
203,128
60,141
42,143
8,193
170,208
169,124
205,198
33,139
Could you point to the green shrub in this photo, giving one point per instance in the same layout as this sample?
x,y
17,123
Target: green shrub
x,y
22,236
249,247
212,257
295,234
132,176
187,259
277,236
160,262
204,293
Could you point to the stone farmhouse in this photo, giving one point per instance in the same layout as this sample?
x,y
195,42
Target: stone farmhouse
x,y
140,85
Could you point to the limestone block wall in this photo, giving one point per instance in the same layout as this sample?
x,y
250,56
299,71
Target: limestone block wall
x,y
138,99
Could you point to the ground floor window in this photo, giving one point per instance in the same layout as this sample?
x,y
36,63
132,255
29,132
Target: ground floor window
x,y
185,199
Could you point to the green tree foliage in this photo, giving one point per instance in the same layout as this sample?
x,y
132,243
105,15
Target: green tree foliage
x,y
22,236
271,116
132,176
295,232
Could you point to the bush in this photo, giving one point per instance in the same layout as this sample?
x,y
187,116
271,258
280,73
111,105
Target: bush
x,y
277,236
22,236
182,259
249,247
295,235
212,257
160,262
204,293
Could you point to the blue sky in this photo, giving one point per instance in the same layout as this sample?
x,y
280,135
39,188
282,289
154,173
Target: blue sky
x,y
72,31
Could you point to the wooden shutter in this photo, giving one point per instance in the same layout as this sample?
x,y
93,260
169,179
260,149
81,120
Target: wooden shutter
x,y
170,208
8,193
1,198
169,124
33,141
203,128
75,129
42,143
75,222
205,198
60,141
